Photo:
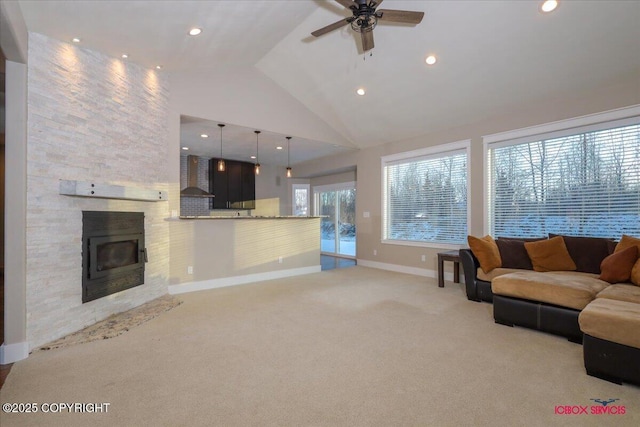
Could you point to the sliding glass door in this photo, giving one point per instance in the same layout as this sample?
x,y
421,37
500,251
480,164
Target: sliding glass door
x,y
337,205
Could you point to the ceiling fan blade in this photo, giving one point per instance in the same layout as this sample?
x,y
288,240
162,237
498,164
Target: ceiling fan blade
x,y
346,3
367,40
403,16
331,27
377,2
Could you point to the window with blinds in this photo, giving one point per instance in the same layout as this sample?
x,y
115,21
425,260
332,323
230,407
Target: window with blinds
x,y
425,196
580,182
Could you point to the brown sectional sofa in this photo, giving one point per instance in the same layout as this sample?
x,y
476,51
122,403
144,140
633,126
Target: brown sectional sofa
x,y
611,326
575,303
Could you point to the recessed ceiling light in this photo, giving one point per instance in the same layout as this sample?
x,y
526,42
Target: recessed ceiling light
x,y
75,40
204,135
158,67
125,56
195,31
361,91
549,6
253,157
278,148
185,148
430,60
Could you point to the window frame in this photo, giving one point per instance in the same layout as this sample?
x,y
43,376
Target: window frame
x,y
433,151
582,124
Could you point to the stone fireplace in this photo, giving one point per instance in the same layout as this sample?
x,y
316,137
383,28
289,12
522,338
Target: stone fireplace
x,y
113,252
92,118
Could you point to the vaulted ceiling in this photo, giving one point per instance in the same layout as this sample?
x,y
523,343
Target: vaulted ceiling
x,y
492,55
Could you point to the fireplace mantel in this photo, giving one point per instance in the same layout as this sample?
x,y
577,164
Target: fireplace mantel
x,y
110,191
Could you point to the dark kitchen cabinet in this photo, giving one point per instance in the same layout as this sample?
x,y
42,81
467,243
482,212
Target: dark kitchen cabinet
x,y
248,186
235,188
218,186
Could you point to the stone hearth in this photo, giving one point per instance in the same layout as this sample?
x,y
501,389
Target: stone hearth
x,y
117,324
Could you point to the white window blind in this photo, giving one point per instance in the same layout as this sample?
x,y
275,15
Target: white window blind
x,y
425,198
585,182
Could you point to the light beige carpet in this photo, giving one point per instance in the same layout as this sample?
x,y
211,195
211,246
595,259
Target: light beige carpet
x,y
350,347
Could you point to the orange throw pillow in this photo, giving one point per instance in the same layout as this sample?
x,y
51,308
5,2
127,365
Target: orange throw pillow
x,y
616,268
486,250
550,255
626,242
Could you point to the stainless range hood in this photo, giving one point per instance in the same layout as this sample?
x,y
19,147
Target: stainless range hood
x,y
192,189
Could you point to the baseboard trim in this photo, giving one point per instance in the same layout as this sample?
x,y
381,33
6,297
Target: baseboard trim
x,y
240,280
424,272
10,353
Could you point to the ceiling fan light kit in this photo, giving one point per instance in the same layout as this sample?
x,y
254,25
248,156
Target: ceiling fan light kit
x,y
365,18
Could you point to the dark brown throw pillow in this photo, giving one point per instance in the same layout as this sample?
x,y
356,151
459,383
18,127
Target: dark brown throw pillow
x,y
550,255
587,252
513,254
616,268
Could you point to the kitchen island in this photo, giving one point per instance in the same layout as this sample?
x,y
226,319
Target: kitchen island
x,y
215,251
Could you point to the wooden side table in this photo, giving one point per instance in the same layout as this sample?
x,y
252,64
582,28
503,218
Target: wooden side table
x,y
453,256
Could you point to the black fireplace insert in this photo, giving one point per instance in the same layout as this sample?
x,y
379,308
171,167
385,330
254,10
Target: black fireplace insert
x,y
113,252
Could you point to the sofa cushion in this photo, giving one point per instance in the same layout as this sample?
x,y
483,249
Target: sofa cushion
x,y
616,268
626,242
586,252
513,254
486,251
621,292
550,255
566,289
496,272
612,320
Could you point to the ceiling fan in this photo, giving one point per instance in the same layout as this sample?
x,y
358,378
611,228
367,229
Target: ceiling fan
x,y
365,18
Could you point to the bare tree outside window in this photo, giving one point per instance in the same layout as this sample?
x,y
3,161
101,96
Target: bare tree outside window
x,y
426,199
586,184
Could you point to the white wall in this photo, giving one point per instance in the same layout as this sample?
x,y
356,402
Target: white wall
x,y
15,345
14,42
246,97
243,97
615,94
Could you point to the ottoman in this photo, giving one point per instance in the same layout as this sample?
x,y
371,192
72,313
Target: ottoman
x,y
611,345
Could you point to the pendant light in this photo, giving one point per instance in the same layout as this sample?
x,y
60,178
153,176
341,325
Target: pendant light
x,y
257,169
221,165
289,157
